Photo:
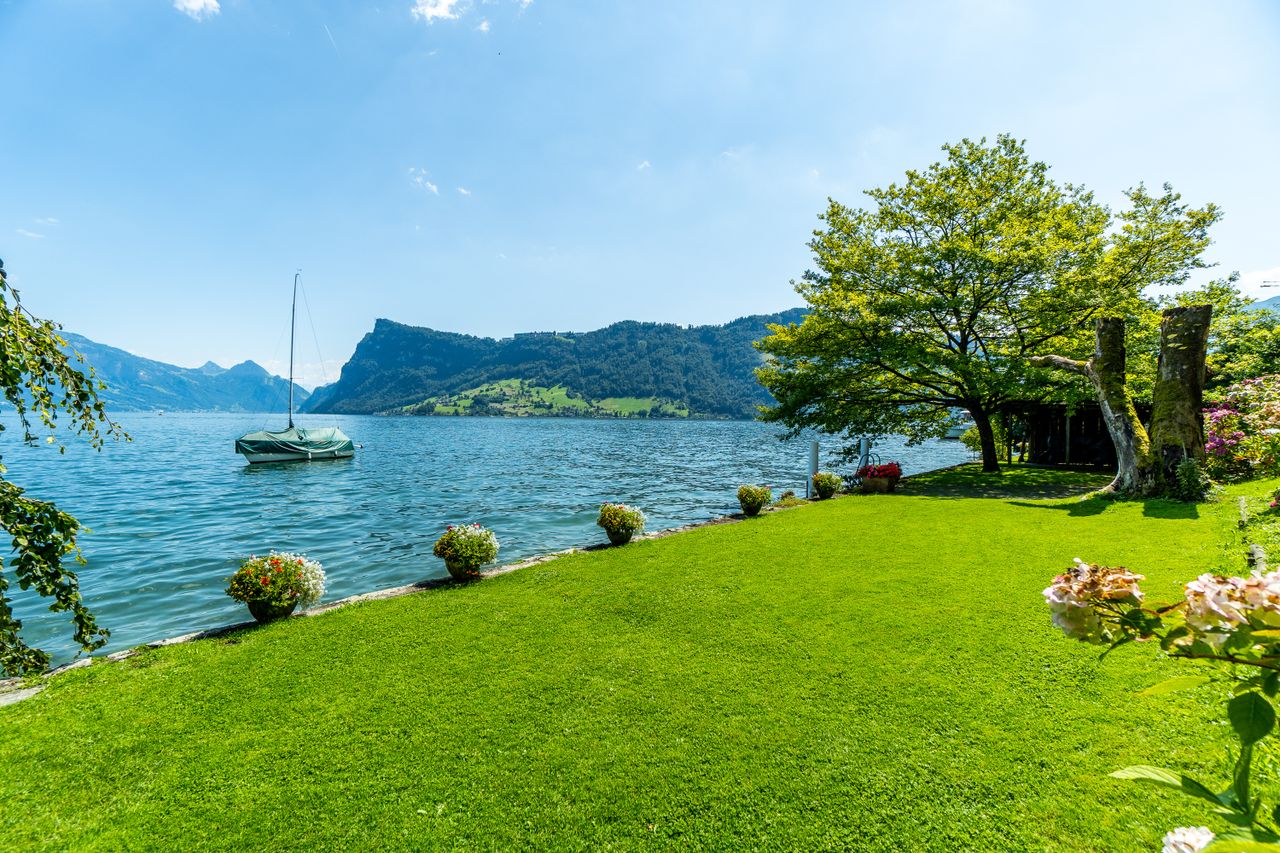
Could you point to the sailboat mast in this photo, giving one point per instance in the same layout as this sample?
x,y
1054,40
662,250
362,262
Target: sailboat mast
x,y
293,320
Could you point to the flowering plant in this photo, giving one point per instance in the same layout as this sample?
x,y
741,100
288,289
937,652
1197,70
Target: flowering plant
x,y
887,471
753,498
278,579
467,547
620,518
1242,431
1228,620
826,483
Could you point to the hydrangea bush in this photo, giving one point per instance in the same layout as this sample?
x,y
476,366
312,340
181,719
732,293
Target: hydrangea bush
x,y
467,547
279,579
1242,430
1232,622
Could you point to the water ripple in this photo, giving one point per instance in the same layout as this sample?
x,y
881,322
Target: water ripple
x,y
173,512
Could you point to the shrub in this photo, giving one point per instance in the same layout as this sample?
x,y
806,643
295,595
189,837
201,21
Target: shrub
x,y
754,498
467,546
788,499
972,440
1193,484
1242,435
620,518
826,483
278,579
888,471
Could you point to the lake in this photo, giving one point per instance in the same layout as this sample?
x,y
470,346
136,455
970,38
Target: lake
x,y
173,512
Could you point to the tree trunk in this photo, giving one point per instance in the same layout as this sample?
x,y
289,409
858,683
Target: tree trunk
x,y
990,455
1135,473
1147,464
1177,420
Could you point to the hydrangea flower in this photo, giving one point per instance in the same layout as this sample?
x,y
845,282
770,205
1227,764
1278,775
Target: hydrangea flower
x,y
1187,839
1071,595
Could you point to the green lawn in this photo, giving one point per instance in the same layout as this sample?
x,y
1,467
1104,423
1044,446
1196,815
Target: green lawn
x,y
870,673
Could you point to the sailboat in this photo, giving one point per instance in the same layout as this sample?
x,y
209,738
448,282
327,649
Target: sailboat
x,y
293,443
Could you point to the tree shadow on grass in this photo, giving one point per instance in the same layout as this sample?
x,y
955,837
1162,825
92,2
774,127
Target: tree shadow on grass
x,y
1151,508
1013,482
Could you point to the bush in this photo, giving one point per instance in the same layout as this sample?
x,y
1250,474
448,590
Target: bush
x,y
754,498
826,483
467,546
1193,484
891,471
620,518
279,580
1242,435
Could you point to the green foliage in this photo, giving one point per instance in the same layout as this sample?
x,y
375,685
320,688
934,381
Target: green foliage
x,y
848,675
1242,430
1193,484
518,398
620,518
752,499
632,369
936,296
40,381
278,579
827,483
467,545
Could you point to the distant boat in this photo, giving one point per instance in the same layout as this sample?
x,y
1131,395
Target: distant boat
x,y
293,443
957,430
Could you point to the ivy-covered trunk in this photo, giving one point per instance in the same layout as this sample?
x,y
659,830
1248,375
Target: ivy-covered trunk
x,y
1147,464
1177,419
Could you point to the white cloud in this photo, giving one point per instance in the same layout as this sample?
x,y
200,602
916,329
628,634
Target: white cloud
x,y
418,177
437,10
483,26
47,220
464,191
197,9
642,165
525,4
33,235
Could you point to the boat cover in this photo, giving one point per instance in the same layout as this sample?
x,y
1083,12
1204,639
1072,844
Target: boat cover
x,y
295,440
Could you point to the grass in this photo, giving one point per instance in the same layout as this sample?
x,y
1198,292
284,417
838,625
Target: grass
x,y
870,673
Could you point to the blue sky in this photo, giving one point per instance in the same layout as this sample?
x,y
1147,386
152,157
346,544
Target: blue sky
x,y
490,167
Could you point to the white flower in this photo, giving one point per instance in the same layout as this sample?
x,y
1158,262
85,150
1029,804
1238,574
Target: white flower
x,y
1187,839
1073,593
312,578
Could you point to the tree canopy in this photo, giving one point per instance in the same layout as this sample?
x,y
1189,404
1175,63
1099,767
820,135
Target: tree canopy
x,y
40,381
936,295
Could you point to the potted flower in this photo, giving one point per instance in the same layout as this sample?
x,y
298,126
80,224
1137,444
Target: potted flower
x,y
826,484
275,585
879,478
754,498
465,548
620,522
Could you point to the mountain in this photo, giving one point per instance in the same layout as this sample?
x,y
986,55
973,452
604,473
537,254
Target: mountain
x,y
136,383
625,369
1272,304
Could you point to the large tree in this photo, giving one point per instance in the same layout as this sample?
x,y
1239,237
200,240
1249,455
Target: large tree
x,y
39,380
935,296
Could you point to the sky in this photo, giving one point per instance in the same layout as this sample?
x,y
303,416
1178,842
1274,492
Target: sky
x,y
493,166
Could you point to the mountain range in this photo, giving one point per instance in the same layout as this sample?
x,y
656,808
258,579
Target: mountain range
x,y
626,369
1272,304
137,383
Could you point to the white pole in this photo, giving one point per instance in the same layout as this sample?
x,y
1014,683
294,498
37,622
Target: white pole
x,y
864,452
813,469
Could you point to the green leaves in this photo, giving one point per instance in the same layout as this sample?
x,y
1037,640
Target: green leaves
x,y
1172,685
1251,716
1168,779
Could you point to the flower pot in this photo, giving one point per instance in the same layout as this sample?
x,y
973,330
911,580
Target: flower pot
x,y
751,510
871,485
620,537
270,611
462,571
825,492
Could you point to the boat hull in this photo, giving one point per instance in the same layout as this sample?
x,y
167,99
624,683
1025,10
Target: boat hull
x,y
297,456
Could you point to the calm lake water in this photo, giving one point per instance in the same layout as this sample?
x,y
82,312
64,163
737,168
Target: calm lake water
x,y
174,511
